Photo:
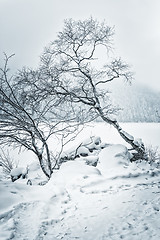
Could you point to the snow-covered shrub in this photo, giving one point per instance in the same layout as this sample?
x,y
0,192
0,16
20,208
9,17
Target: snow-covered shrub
x,y
152,157
153,154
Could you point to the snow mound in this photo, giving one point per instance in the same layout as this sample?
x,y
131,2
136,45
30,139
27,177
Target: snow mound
x,y
113,159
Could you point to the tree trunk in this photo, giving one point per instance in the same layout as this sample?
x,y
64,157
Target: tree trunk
x,y
40,156
48,158
139,148
42,166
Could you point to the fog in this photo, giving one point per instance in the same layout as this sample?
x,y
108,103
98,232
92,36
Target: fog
x,y
27,26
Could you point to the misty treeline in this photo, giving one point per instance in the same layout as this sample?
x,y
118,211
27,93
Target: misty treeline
x,y
68,89
141,103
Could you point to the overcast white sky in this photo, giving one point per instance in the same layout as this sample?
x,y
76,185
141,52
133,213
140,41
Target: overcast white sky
x,y
27,26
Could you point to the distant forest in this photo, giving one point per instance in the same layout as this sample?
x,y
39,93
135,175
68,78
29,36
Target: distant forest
x,y
138,103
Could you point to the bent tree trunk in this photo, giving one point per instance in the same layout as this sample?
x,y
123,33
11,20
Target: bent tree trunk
x,y
139,147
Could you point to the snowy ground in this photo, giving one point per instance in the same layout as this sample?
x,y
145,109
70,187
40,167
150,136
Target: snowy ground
x,y
115,200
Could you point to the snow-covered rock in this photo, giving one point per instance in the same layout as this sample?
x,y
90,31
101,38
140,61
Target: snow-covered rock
x,y
85,148
83,151
18,172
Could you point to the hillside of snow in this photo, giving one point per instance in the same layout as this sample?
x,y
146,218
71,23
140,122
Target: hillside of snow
x,y
115,199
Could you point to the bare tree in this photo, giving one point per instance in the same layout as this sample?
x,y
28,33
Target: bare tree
x,y
28,119
73,71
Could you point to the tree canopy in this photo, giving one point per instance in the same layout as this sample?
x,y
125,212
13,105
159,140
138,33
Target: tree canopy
x,y
74,72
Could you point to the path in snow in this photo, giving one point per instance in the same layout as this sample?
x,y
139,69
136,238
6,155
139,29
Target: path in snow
x,y
115,211
128,212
